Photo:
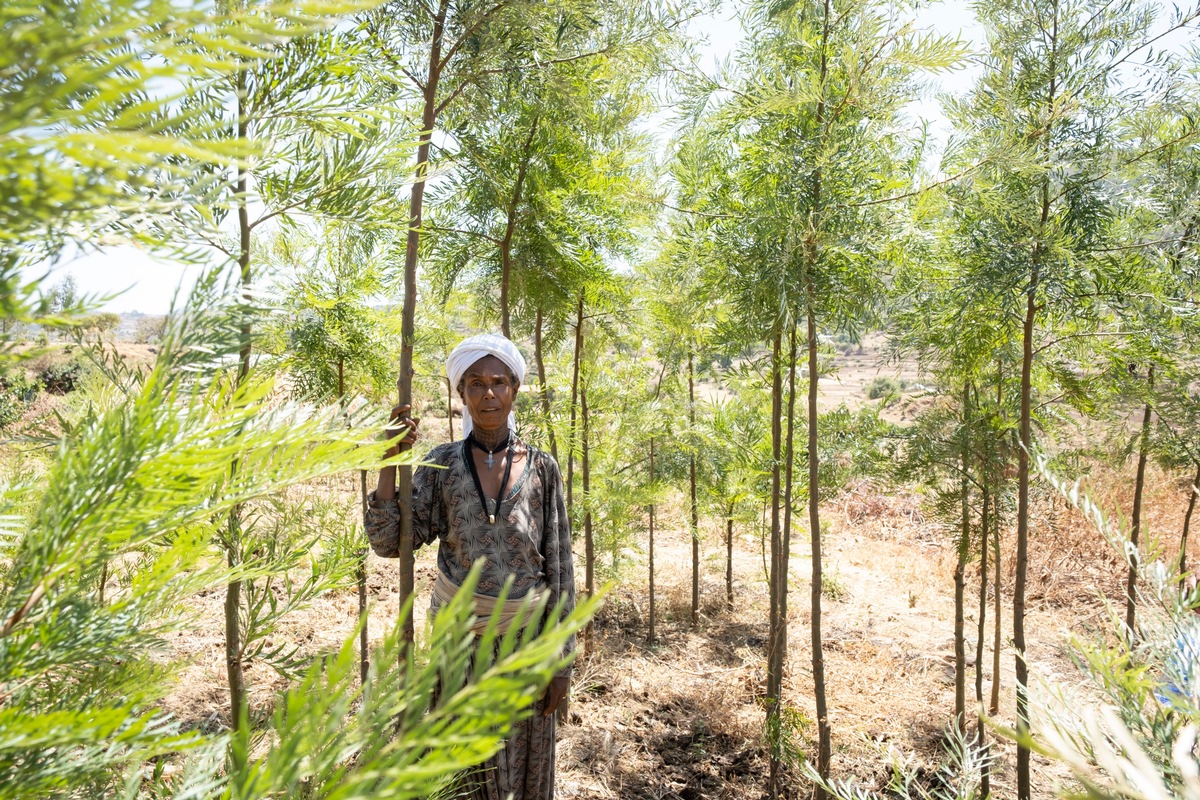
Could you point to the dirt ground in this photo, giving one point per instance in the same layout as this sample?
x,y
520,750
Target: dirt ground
x,y
681,719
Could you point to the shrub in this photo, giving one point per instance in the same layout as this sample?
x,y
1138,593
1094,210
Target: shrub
x,y
149,329
17,391
64,376
883,386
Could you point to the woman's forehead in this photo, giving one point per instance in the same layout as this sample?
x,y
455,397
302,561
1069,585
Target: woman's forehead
x,y
487,366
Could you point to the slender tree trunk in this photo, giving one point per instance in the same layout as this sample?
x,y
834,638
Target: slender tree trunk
x,y
1018,624
764,530
695,513
783,574
1135,528
364,651
997,609
997,573
985,777
545,390
360,570
1193,492
589,546
650,637
1024,786
574,399
233,544
774,651
409,308
729,558
510,226
960,566
824,730
449,407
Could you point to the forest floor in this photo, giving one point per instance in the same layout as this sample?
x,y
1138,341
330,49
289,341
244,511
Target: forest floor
x,y
682,719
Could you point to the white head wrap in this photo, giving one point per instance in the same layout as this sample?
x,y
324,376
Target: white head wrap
x,y
476,347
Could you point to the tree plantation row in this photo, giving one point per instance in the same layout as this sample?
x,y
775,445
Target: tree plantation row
x,y
366,183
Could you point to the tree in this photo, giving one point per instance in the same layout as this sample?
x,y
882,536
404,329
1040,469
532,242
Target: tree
x,y
444,52
547,167
324,146
822,147
335,342
1042,183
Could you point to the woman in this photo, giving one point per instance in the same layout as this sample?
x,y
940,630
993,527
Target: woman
x,y
500,500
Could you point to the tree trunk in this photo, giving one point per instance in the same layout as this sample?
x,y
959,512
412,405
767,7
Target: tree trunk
x,y
1194,490
997,609
1135,528
729,558
408,310
997,602
449,407
695,514
774,652
824,730
545,390
1018,624
574,400
960,566
764,529
985,777
589,547
789,460
233,544
360,570
510,226
784,552
364,652
650,638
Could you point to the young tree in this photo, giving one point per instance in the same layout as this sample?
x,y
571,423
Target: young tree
x,y
1050,66
823,147
333,342
454,54
323,147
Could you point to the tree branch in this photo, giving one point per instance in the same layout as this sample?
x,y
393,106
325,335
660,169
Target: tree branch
x,y
922,190
1140,245
467,34
707,214
1088,335
464,232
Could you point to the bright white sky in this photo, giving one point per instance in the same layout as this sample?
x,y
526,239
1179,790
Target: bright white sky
x,y
132,280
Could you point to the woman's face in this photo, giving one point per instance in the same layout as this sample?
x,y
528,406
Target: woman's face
x,y
488,390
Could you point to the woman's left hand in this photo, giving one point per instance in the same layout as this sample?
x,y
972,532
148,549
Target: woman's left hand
x,y
555,692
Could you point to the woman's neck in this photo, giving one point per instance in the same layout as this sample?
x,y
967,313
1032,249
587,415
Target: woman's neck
x,y
490,439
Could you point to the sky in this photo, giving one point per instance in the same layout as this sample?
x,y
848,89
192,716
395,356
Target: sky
x,y
130,279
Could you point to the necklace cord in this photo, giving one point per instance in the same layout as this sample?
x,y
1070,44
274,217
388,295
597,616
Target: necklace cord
x,y
468,443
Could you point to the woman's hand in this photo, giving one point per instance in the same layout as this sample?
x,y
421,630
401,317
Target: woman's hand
x,y
555,692
400,421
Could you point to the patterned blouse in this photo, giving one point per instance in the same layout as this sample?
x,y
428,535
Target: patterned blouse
x,y
530,541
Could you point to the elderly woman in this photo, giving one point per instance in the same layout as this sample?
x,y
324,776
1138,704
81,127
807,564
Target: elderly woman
x,y
498,499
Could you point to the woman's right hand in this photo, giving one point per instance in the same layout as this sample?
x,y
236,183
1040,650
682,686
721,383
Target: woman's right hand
x,y
400,421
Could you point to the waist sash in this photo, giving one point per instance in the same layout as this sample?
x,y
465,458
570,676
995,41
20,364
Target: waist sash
x,y
519,609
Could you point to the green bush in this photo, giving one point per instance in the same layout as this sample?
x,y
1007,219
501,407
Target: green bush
x,y
17,392
64,377
883,386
